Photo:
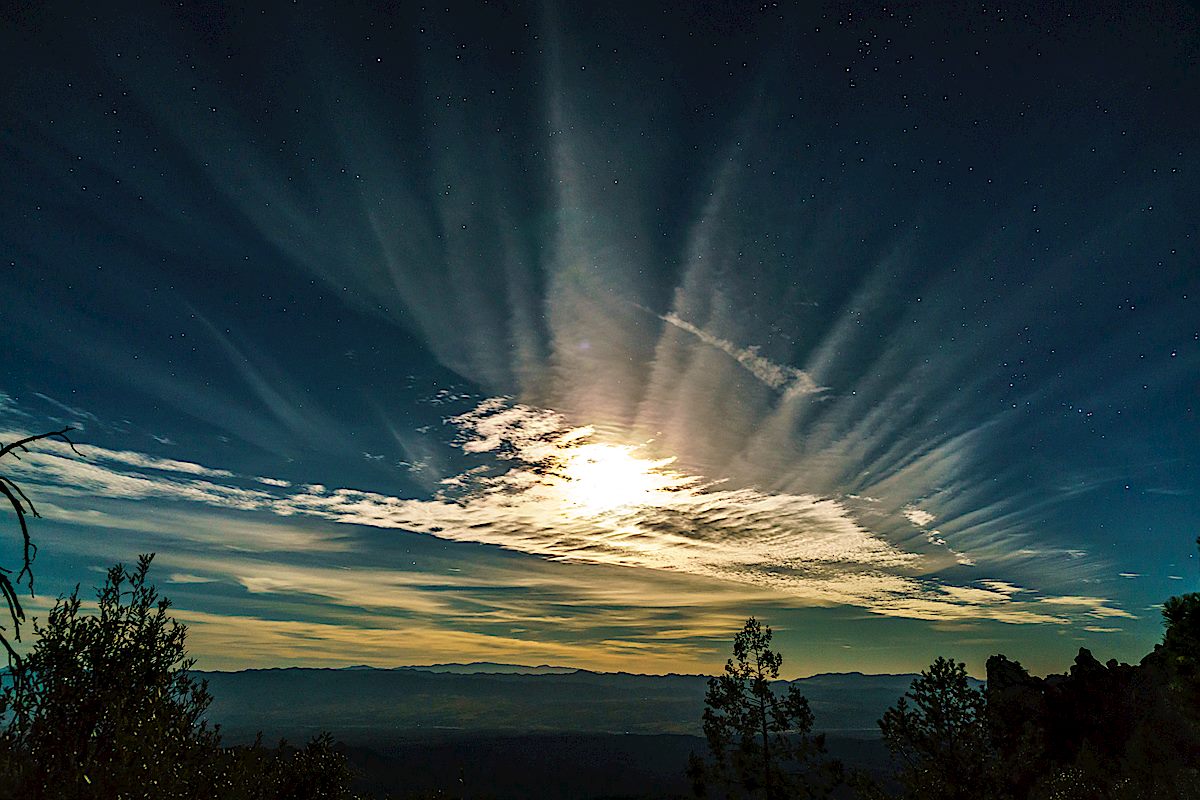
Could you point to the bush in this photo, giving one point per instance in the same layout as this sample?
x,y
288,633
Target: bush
x,y
105,706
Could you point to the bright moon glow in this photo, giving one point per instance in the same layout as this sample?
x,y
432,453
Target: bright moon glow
x,y
599,478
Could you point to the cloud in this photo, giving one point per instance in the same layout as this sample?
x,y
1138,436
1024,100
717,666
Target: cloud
x,y
673,521
917,517
504,605
161,464
1001,586
173,527
239,641
789,380
183,577
1096,606
909,597
72,475
273,482
545,488
9,406
76,414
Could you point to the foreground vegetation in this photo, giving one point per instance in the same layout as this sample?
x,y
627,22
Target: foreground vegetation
x,y
1097,732
105,705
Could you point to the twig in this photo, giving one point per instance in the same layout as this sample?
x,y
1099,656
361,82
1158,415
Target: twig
x,y
22,505
20,443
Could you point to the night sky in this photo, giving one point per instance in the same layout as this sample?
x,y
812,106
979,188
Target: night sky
x,y
576,333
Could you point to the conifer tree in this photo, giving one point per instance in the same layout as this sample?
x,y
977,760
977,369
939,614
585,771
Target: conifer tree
x,y
759,740
940,738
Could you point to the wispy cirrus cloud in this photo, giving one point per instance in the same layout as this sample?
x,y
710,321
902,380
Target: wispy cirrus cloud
x,y
789,380
502,609
177,526
233,641
183,577
545,488
10,407
76,416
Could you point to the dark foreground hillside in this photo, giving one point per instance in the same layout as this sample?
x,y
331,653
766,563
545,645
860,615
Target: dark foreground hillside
x,y
560,766
555,766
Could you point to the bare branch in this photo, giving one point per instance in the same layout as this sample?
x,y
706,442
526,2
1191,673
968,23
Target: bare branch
x,y
29,550
20,443
14,604
14,658
17,489
22,506
49,434
18,616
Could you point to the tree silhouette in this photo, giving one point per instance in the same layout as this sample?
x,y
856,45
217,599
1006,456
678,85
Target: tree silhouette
x,y
759,741
104,705
23,507
941,738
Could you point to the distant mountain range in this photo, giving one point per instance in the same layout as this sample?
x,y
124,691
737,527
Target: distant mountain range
x,y
510,732
407,702
484,668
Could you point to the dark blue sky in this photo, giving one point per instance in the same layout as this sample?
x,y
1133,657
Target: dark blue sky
x,y
568,334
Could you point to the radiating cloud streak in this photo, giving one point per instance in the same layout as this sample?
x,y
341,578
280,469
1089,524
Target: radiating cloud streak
x,y
789,380
844,330
542,276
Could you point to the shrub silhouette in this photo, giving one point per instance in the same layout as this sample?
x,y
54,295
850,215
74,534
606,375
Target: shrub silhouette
x,y
759,741
104,705
316,771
